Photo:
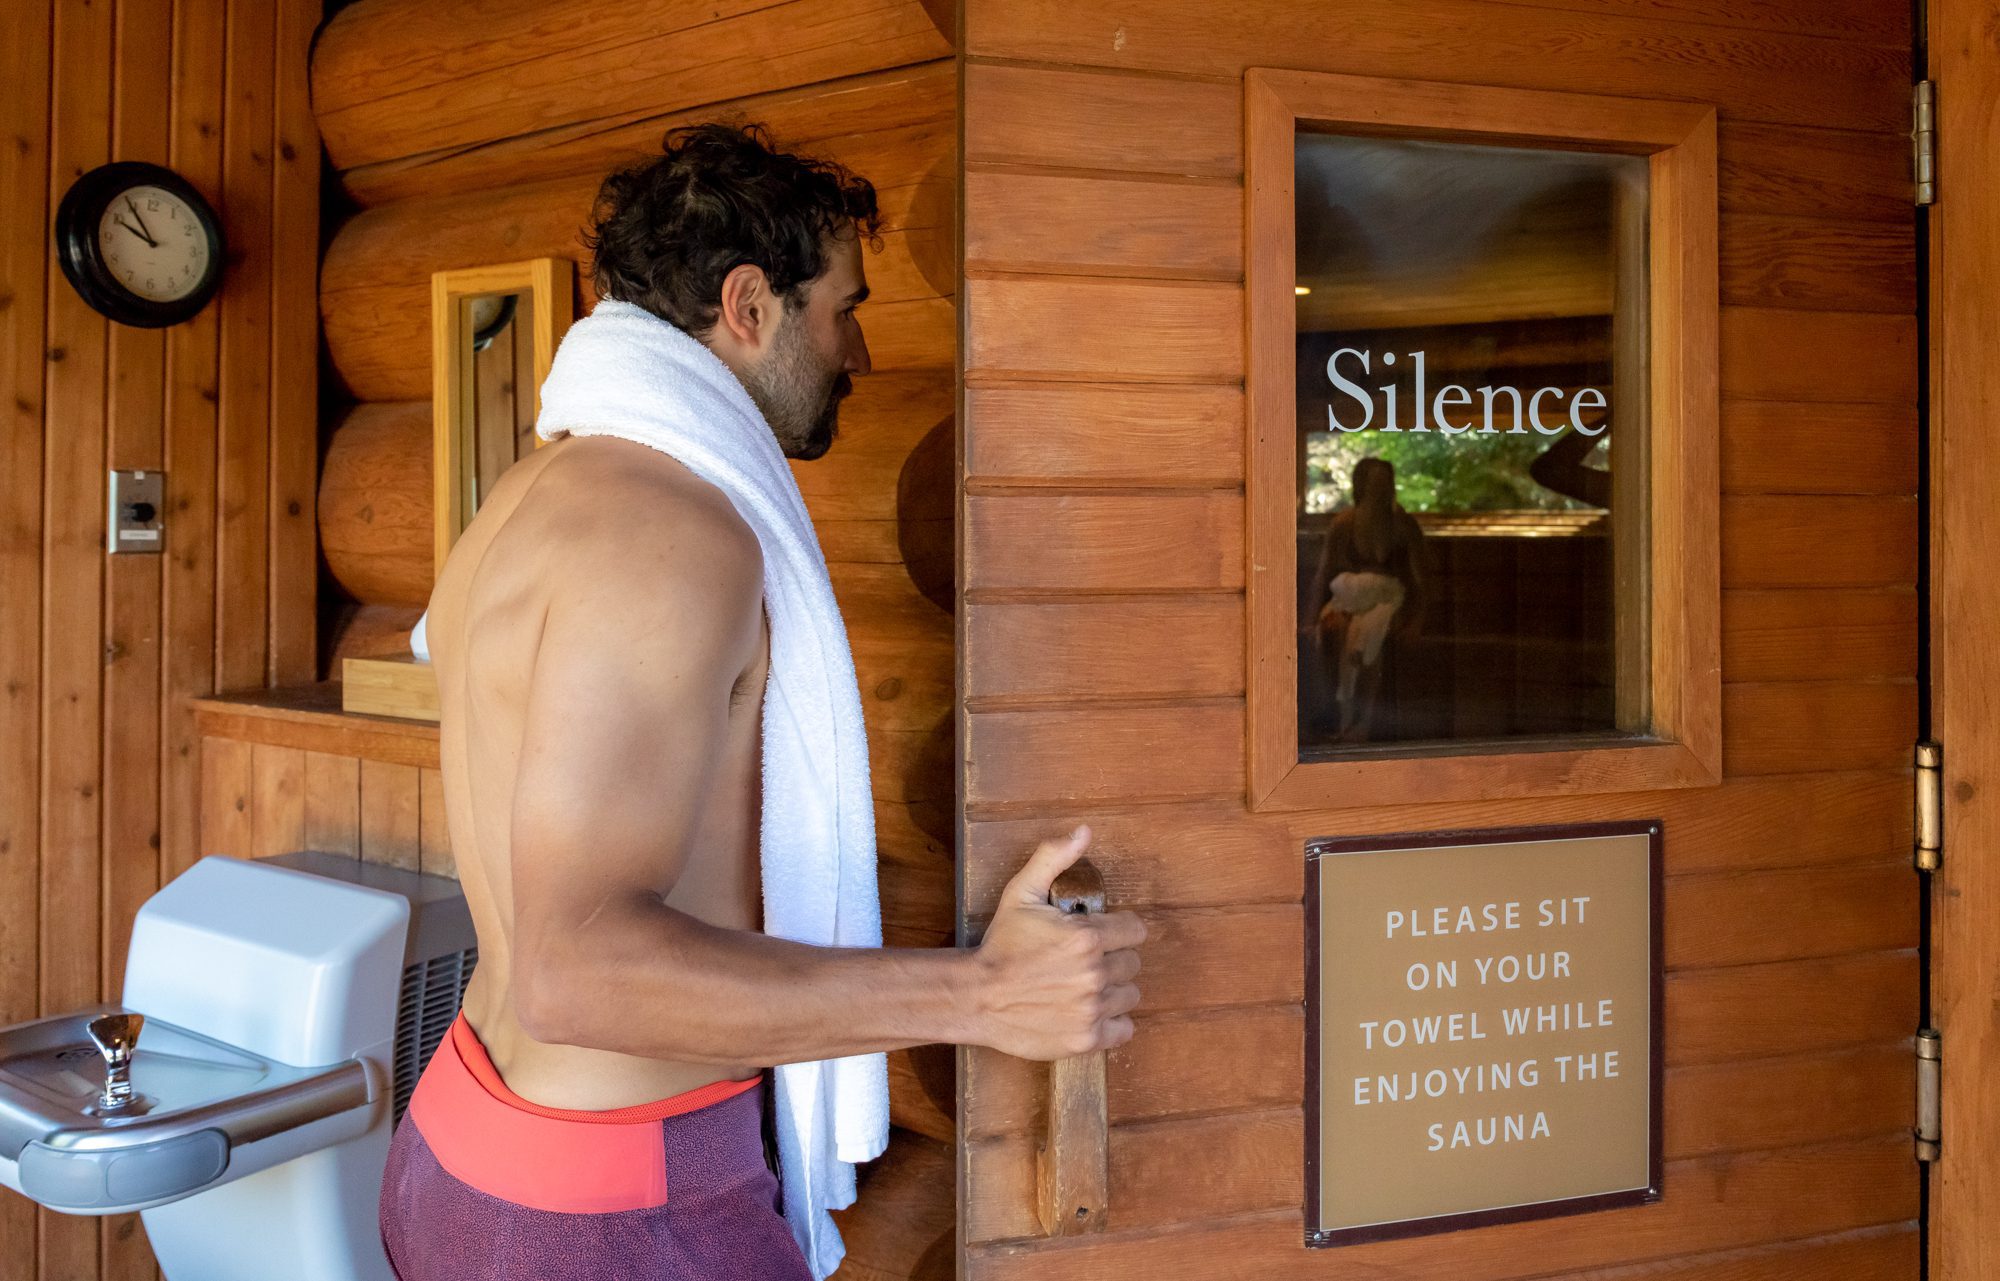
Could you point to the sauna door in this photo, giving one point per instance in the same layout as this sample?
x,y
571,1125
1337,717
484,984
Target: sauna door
x,y
1210,262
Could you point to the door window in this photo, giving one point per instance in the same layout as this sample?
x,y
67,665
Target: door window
x,y
1471,335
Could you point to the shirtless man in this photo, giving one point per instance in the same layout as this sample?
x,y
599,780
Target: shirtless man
x,y
600,645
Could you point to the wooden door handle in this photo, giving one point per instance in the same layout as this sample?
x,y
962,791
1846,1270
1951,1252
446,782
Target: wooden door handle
x,y
1072,1167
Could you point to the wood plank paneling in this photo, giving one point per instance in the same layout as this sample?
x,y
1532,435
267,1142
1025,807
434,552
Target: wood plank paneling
x,y
1844,19
1030,756
1769,354
228,790
1087,433
397,77
1832,173
1170,1068
244,406
1098,225
1751,75
1798,726
278,806
1867,1254
1088,120
293,592
1711,1203
1787,540
1965,619
72,579
1822,634
868,122
1187,855
1798,1007
1776,1102
1104,542
1141,331
333,803
1817,264
103,788
1242,1152
25,72
1770,447
391,814
137,389
1171,646
1100,144
1742,918
188,624
1092,120
1135,753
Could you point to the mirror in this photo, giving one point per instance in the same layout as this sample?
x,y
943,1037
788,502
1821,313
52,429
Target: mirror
x,y
494,332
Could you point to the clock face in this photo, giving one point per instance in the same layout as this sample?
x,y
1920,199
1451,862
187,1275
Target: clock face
x,y
151,242
139,243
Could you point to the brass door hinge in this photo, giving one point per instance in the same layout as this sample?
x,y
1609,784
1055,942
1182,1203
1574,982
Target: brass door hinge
x,y
1923,140
1930,807
1930,1062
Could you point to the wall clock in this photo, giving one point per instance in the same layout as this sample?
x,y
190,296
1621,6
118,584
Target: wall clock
x,y
139,244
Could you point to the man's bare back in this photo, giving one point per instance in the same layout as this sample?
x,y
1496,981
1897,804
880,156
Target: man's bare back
x,y
545,520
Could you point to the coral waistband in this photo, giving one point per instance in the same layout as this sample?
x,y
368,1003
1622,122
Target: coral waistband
x,y
560,1159
473,1052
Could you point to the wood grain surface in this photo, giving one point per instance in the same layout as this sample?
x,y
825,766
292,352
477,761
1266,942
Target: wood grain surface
x,y
1103,642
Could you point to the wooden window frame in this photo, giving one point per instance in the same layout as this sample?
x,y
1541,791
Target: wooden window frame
x,y
1684,745
550,286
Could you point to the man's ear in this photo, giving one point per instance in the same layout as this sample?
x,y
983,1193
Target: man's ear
x,y
749,312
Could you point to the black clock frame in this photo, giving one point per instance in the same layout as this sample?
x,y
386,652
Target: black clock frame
x,y
77,221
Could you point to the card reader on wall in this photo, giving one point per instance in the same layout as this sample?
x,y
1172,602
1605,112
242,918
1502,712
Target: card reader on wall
x,y
275,1016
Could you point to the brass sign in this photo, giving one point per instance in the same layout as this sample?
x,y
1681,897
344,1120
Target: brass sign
x,y
1483,1028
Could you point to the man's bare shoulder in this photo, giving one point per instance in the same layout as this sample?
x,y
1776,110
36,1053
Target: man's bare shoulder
x,y
612,516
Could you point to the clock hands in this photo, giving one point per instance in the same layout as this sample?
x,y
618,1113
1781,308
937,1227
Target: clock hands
x,y
142,230
135,231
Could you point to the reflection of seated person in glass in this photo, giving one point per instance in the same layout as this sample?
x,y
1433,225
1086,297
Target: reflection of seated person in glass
x,y
1369,582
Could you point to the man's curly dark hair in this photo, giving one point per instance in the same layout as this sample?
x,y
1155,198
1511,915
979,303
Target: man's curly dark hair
x,y
665,232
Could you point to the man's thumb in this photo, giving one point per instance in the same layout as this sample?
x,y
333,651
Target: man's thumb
x,y
1051,859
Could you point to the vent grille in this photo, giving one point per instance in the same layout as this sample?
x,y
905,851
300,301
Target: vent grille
x,y
432,991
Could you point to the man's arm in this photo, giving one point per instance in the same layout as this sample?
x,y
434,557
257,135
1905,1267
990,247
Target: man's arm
x,y
627,715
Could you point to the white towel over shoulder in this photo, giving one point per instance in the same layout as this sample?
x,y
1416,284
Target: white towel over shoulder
x,y
621,371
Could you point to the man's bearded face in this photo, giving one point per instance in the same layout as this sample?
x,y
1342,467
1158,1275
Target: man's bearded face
x,y
799,391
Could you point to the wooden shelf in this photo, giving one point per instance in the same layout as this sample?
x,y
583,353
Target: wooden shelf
x,y
309,716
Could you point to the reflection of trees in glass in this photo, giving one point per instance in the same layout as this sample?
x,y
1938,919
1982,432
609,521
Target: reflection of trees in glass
x,y
1472,472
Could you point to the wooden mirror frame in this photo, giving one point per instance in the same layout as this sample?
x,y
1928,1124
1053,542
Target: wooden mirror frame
x,y
1683,680
550,286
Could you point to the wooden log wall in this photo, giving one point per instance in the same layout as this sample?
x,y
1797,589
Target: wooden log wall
x,y
474,133
1102,650
99,768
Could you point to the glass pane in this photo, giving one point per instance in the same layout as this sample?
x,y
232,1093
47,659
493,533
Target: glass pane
x,y
1471,422
500,331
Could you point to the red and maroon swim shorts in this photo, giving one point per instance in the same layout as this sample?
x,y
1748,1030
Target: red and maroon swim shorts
x,y
483,1185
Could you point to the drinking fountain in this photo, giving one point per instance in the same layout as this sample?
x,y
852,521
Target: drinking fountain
x,y
275,1016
